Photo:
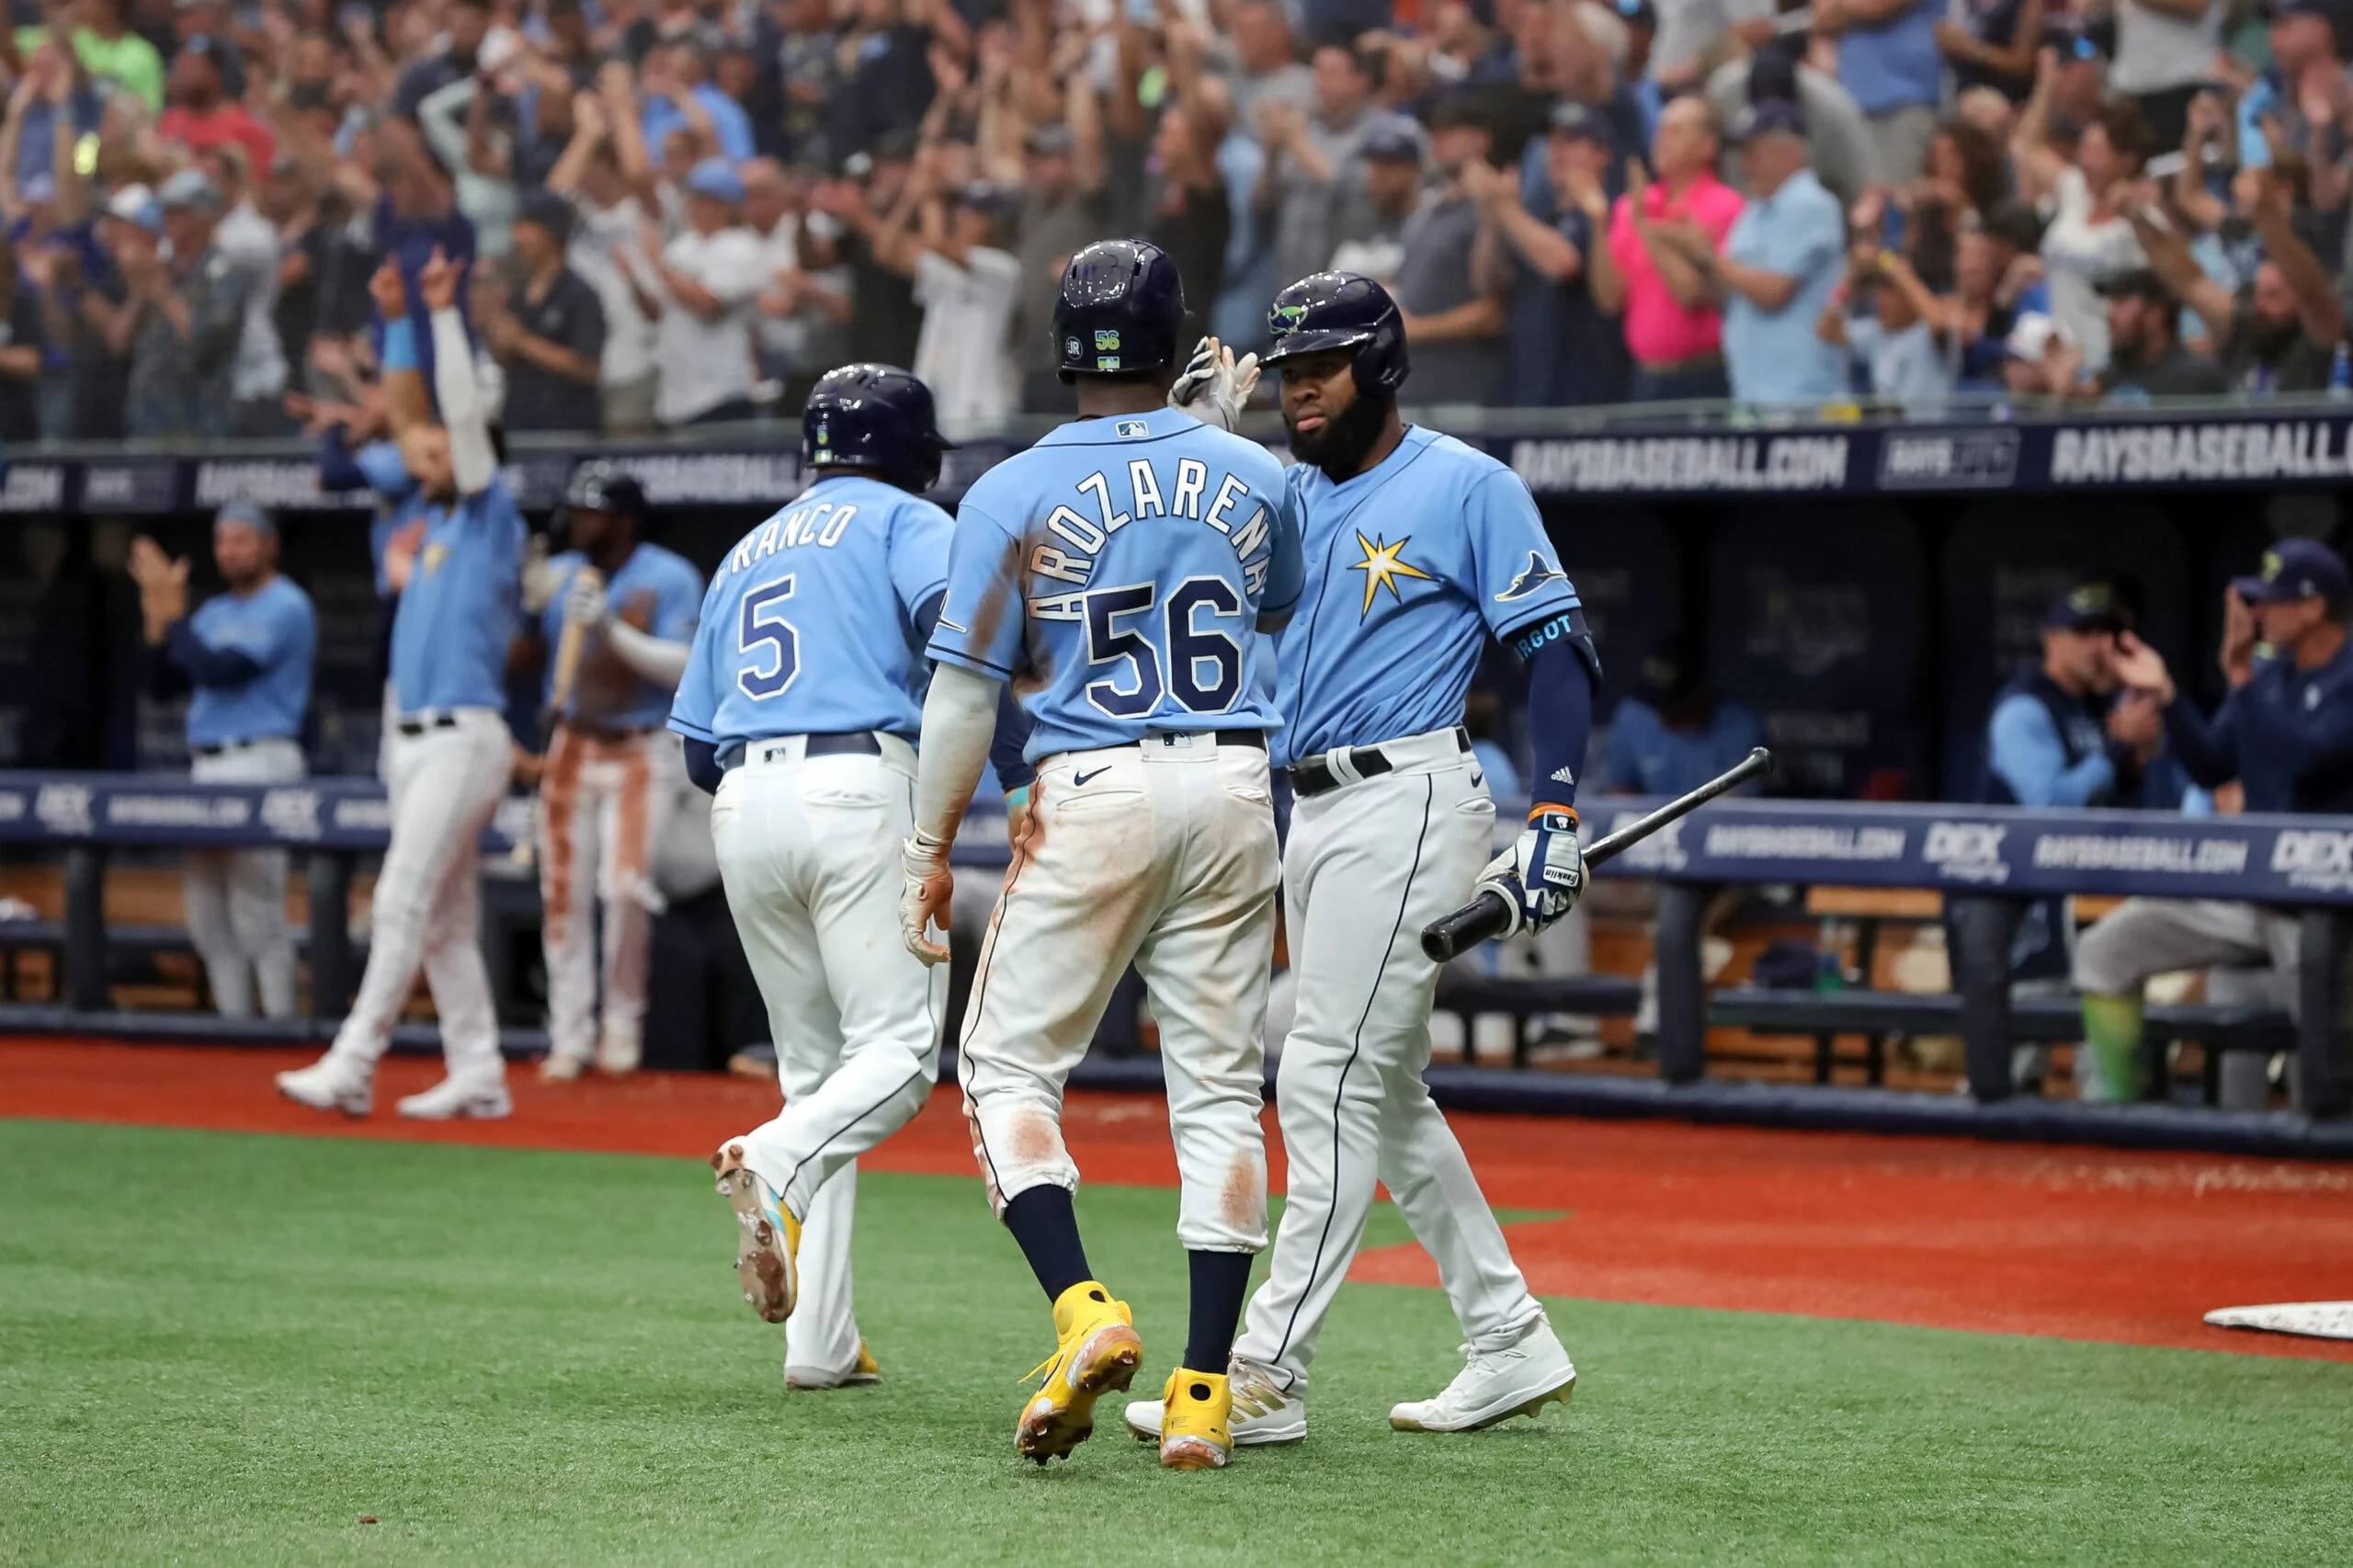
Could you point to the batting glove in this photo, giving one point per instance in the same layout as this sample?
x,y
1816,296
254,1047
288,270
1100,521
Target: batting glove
x,y
1541,876
542,582
1215,388
923,902
584,602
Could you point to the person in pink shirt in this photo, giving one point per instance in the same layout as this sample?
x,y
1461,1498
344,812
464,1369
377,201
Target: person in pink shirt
x,y
1662,236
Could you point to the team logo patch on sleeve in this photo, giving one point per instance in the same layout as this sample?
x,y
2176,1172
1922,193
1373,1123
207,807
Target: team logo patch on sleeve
x,y
1532,577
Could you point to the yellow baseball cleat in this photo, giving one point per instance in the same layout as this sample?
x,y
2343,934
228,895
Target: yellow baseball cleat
x,y
769,1237
1098,1354
1196,1421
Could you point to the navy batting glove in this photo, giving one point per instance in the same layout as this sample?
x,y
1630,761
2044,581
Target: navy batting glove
x,y
1542,875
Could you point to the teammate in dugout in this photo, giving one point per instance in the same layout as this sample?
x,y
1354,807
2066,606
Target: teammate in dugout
x,y
2285,734
245,657
799,707
1417,549
1117,575
612,770
448,757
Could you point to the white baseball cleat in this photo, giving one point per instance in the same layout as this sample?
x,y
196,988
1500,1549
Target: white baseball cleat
x,y
618,1054
1264,1416
561,1067
331,1083
865,1374
452,1098
1519,1380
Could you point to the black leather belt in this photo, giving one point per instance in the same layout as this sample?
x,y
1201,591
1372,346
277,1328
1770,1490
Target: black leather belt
x,y
224,747
850,742
1314,775
1255,738
413,728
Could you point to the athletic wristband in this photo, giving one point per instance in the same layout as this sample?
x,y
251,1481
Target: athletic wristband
x,y
1542,808
399,345
1017,798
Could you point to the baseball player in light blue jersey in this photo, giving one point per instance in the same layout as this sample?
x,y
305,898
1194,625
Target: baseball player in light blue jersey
x,y
246,655
799,707
449,755
613,773
1418,550
1118,574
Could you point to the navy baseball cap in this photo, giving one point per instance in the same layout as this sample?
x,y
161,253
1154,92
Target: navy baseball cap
x,y
2294,569
1576,120
2325,9
549,211
1391,142
2088,606
1765,117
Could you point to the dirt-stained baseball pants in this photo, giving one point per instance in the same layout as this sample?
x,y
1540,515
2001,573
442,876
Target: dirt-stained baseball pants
x,y
604,802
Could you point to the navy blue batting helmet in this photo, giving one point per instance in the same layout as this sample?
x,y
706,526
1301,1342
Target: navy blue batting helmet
x,y
873,416
600,486
1120,311
1340,310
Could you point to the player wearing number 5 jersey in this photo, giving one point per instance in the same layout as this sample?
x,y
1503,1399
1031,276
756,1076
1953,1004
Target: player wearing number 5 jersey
x,y
1118,574
1418,550
799,707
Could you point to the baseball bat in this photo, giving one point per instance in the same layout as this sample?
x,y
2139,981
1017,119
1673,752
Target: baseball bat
x,y
1489,915
567,659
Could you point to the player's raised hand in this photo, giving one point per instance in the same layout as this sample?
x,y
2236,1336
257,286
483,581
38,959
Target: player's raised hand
x,y
585,603
437,282
2141,666
923,903
1214,388
384,287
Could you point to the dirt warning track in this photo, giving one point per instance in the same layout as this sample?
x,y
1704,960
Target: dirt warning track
x,y
2064,1242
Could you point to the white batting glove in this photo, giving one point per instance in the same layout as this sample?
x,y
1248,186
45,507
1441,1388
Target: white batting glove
x,y
923,902
542,582
1215,388
1541,876
585,603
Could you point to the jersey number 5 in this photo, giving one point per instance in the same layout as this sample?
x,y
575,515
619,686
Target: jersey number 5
x,y
1204,663
768,643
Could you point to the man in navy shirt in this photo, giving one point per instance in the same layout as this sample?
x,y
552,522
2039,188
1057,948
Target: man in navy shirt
x,y
2285,734
245,657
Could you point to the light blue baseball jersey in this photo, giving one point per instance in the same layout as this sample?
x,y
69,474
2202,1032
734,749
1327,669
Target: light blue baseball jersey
x,y
275,628
450,633
658,592
808,626
396,502
1409,567
1114,572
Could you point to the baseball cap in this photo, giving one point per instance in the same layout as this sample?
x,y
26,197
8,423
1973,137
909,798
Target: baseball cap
x,y
2033,335
1391,142
1580,121
548,211
2088,606
137,204
189,189
2294,569
245,512
717,178
983,197
1767,117
2325,9
2138,283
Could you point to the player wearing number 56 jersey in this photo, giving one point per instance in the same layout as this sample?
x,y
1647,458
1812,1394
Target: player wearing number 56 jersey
x,y
1117,574
799,707
1418,550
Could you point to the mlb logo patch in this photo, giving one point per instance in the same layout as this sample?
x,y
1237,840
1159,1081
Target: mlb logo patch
x,y
1106,361
1107,340
1133,429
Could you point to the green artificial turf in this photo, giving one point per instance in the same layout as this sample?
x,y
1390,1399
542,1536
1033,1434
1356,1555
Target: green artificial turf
x,y
229,1348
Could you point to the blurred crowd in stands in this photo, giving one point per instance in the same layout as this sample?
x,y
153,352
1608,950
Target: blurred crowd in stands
x,y
683,211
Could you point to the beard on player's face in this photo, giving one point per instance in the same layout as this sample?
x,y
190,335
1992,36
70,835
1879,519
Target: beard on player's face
x,y
1340,443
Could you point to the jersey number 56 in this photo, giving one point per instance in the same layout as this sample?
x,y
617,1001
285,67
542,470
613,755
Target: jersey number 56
x,y
1204,663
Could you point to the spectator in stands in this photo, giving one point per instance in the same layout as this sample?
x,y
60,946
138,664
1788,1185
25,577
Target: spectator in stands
x,y
1659,237
182,319
467,29
2164,49
875,198
1393,178
2091,237
1454,322
804,309
550,338
1991,43
1891,336
1192,216
2282,335
702,290
608,231
1562,350
1064,208
257,378
102,40
1781,262
2285,734
2146,358
2039,360
677,93
24,341
1313,181
1998,276
1888,61
202,116
2307,73
52,101
965,279
246,655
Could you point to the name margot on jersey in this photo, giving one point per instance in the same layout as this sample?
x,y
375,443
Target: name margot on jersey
x,y
819,523
1087,537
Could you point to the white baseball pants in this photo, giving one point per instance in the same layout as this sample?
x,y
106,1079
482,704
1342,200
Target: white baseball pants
x,y
808,850
604,804
1162,855
237,898
1368,863
446,782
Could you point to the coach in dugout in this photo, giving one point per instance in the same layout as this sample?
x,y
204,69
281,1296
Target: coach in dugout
x,y
2285,732
246,657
